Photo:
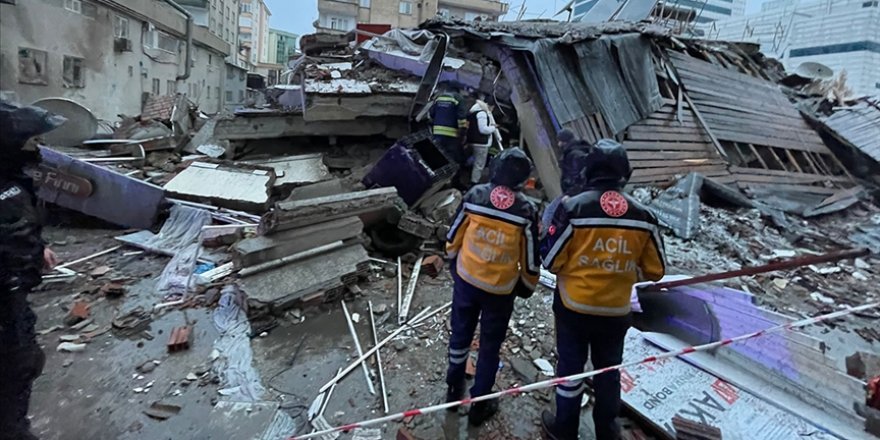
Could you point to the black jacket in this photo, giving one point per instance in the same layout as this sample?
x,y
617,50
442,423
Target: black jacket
x,y
21,245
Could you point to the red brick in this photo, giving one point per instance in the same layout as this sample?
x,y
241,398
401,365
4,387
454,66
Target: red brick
x,y
179,339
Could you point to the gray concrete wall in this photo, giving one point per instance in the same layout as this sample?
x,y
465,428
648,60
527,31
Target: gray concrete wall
x,y
114,82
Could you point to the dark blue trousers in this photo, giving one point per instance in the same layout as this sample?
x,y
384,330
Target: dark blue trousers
x,y
471,305
451,147
578,336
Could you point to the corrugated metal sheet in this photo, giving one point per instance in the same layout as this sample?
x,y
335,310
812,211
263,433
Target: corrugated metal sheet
x,y
859,125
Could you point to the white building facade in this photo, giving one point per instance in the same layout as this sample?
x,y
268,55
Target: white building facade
x,y
841,34
108,56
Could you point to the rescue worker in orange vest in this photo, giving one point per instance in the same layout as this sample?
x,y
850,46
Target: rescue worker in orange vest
x,y
599,243
492,247
449,115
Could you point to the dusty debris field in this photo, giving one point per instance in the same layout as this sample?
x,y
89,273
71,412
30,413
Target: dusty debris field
x,y
103,388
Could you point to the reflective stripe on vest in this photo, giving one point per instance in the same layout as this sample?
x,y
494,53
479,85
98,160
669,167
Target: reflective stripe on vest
x,y
442,130
571,304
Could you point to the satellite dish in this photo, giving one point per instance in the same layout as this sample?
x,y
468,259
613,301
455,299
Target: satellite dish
x,y
813,70
81,124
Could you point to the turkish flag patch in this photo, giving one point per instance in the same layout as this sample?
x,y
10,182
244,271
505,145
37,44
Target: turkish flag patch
x,y
502,197
613,203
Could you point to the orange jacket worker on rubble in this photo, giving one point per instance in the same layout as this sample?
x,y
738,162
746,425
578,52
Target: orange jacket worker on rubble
x,y
494,258
599,243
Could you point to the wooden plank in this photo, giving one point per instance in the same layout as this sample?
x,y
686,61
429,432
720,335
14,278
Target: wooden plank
x,y
676,163
658,124
748,138
758,156
706,127
648,131
787,187
705,100
743,98
681,170
700,68
667,146
791,129
778,159
670,155
778,173
794,161
823,168
811,162
690,135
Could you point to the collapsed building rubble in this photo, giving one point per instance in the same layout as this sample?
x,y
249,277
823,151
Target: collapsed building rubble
x,y
278,212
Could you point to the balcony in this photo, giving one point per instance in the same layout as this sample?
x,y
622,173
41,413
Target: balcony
x,y
338,7
491,7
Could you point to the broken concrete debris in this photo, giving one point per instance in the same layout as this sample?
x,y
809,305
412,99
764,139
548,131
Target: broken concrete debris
x,y
309,198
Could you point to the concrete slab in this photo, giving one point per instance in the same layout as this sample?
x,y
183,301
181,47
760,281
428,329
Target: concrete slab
x,y
260,249
282,287
242,187
320,189
296,170
297,213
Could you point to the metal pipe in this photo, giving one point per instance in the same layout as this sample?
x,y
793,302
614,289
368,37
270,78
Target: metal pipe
x,y
357,345
378,359
187,67
423,315
781,265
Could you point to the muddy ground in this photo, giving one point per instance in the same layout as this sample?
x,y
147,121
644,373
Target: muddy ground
x,y
101,393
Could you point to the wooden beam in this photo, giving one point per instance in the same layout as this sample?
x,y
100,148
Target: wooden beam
x,y
794,161
778,159
760,159
715,141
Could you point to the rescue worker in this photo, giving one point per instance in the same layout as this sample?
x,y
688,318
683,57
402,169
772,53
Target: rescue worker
x,y
599,244
492,247
449,114
574,154
22,260
481,134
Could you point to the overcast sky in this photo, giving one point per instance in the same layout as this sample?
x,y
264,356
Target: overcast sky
x,y
297,16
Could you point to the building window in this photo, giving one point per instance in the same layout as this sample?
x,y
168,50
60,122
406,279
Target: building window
x,y
32,66
245,8
120,26
339,23
229,96
210,59
365,3
872,4
406,8
155,86
241,95
170,88
73,6
89,10
160,40
209,92
73,72
217,94
130,71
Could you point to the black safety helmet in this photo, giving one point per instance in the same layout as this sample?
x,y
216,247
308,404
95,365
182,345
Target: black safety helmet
x,y
20,123
511,168
608,165
565,136
575,159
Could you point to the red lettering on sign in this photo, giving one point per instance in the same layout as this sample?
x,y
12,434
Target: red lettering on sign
x,y
627,383
502,197
725,391
613,203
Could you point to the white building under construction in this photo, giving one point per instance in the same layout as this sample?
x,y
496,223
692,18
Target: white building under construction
x,y
841,34
705,11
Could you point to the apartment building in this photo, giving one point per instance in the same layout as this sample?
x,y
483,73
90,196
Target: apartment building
x,y
706,10
108,55
220,17
253,32
282,45
841,34
344,15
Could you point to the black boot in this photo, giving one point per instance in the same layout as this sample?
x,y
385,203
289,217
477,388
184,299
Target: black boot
x,y
454,394
548,421
482,411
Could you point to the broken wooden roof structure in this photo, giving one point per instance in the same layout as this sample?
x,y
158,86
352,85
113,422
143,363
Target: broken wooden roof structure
x,y
678,106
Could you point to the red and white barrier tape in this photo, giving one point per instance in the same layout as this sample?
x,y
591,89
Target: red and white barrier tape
x,y
560,380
